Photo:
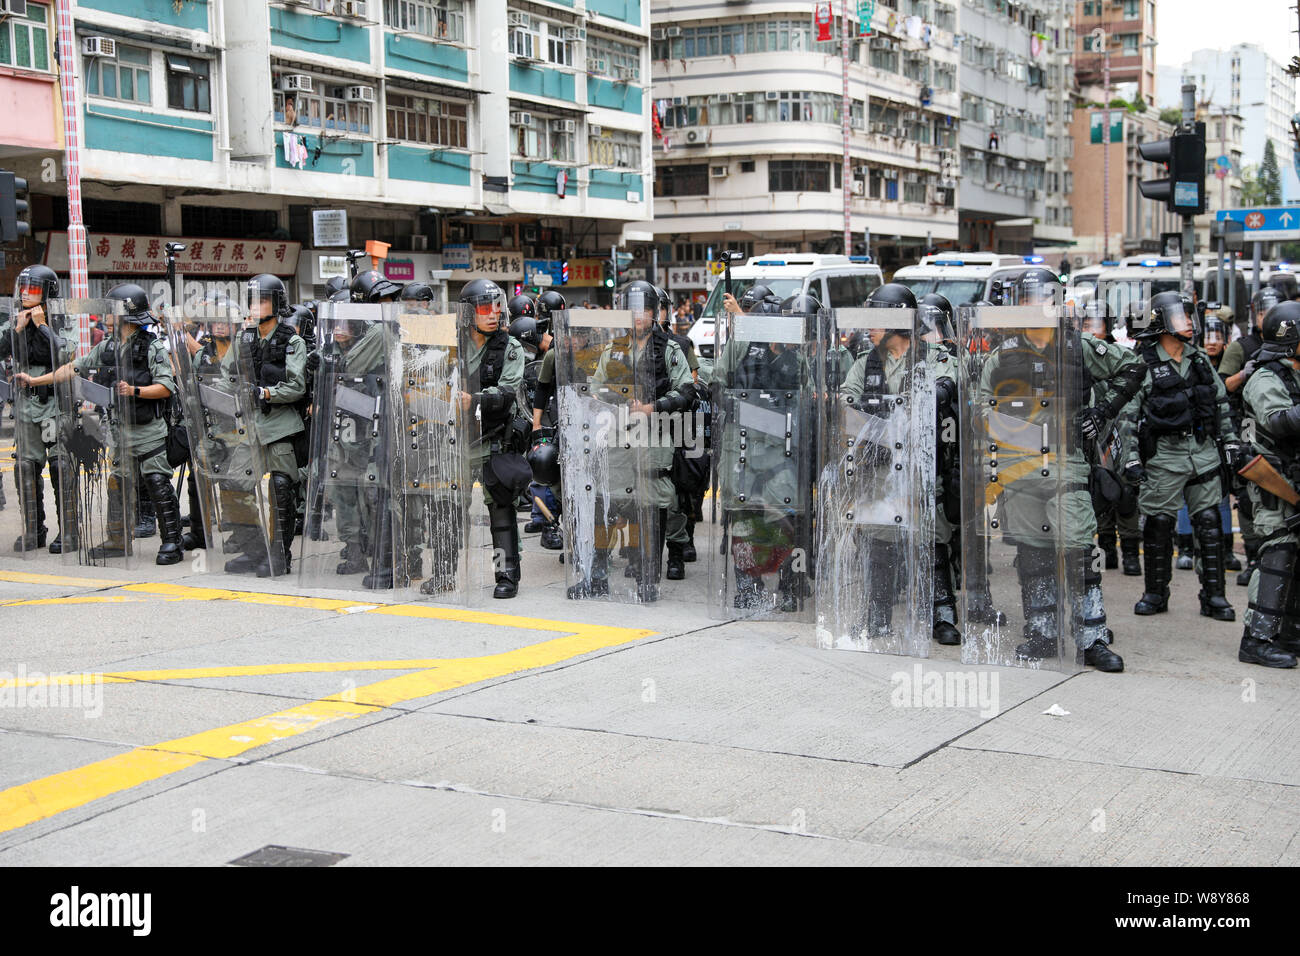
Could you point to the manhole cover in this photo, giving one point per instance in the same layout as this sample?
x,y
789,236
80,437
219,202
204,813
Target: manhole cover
x,y
288,856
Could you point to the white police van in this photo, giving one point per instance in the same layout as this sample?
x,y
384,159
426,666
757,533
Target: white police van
x,y
837,282
963,278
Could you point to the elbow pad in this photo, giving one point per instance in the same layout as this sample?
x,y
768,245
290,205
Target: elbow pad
x,y
1285,423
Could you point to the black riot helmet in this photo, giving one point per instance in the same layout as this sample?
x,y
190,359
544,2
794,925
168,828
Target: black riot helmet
x,y
137,302
665,306
1261,302
891,295
1281,332
934,312
801,303
343,295
335,284
752,296
1169,313
1034,287
36,280
524,328
481,300
372,286
416,292
300,317
481,292
770,306
639,297
523,305
1285,284
544,460
267,286
548,302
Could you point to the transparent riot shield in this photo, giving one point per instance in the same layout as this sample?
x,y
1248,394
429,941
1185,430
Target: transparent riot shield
x,y
760,556
216,387
605,379
875,504
32,344
441,549
1027,517
102,436
349,543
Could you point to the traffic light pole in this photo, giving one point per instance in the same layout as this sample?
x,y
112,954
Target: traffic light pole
x,y
1189,222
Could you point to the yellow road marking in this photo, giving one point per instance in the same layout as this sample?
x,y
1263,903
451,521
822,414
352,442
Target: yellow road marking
x,y
52,795
24,577
77,599
234,670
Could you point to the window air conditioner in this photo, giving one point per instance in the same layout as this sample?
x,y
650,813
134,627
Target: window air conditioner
x,y
517,19
350,8
772,95
359,94
597,65
17,8
419,243
694,136
296,83
656,34
574,33
626,73
594,130
97,46
724,97
673,31
521,119
719,172
564,126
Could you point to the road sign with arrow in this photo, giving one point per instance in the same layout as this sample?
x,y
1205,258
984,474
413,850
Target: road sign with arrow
x,y
1267,223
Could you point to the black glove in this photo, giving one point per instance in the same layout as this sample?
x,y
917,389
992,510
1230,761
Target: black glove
x,y
313,361
1134,473
945,393
1248,369
1091,422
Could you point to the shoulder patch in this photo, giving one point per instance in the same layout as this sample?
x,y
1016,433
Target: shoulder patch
x,y
1101,349
512,355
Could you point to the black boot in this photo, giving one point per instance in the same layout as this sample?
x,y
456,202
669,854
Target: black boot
x,y
552,539
688,549
381,578
146,521
284,511
505,549
1103,658
676,562
596,583
1186,559
196,539
1209,538
168,511
29,497
117,544
1230,561
1129,553
1252,561
1158,553
945,602
1273,629
1039,586
65,507
1106,539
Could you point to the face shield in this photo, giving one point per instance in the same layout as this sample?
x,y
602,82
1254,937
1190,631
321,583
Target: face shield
x,y
28,293
643,308
1093,320
935,324
482,312
1216,335
1181,322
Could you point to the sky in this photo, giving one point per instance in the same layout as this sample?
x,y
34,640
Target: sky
x,y
1183,26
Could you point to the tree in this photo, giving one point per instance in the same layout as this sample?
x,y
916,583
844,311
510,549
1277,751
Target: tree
x,y
1139,105
1252,188
1171,115
1270,179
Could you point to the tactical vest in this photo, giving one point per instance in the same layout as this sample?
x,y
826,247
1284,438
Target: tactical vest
x,y
1024,370
761,368
1177,404
489,374
619,365
136,371
40,352
270,360
1286,450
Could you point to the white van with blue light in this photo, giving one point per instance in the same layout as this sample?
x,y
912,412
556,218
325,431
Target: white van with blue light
x,y
838,282
963,278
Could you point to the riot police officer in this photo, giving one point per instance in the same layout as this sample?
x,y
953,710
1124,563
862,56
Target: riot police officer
x,y
1235,369
36,348
544,461
1185,433
417,292
278,358
1271,399
494,371
134,364
372,286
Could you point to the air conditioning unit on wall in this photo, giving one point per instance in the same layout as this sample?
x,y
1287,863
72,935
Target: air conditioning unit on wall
x,y
296,83
97,46
359,94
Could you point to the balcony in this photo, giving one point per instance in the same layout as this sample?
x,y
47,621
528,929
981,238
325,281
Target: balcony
x,y
189,16
322,36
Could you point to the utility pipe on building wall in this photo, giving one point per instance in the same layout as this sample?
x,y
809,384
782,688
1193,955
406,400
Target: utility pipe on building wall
x,y
77,266
845,125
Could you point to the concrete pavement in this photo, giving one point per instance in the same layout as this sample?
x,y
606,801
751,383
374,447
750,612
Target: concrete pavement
x,y
237,713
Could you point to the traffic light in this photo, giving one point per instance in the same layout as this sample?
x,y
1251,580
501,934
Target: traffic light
x,y
1182,189
609,273
13,207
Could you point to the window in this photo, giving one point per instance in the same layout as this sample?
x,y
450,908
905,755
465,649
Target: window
x,y
775,106
124,78
692,180
613,56
525,36
221,221
914,192
945,78
558,49
883,59
187,83
444,19
418,119
326,109
1131,9
1129,43
25,40
746,165
849,292
798,176
615,147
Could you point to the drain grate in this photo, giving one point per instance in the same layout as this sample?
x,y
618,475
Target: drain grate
x,y
288,856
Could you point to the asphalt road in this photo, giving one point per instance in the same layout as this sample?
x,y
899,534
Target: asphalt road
x,y
232,713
